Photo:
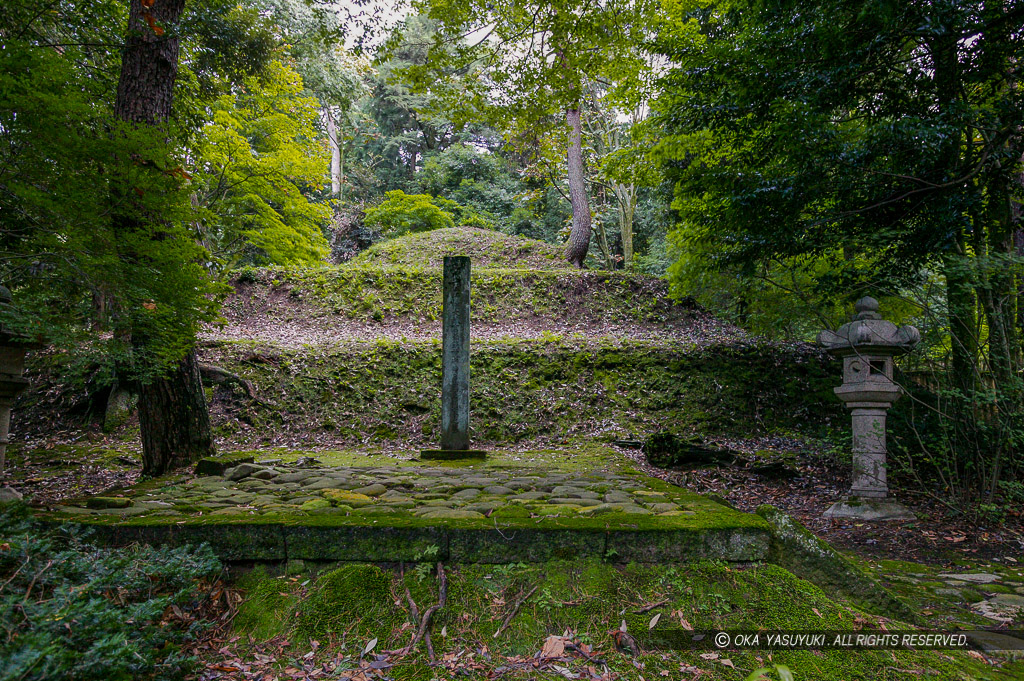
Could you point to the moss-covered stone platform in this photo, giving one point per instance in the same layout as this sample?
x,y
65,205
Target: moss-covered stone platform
x,y
516,507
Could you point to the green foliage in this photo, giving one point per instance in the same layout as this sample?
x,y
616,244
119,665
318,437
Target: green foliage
x,y
71,181
260,156
400,214
73,611
890,160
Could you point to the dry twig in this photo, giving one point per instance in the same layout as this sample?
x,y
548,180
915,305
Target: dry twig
x,y
515,609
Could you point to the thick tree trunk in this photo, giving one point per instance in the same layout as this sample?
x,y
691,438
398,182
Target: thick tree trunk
x,y
174,419
579,235
150,62
173,415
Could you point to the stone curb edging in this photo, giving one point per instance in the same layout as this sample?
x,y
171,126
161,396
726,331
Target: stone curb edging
x,y
366,543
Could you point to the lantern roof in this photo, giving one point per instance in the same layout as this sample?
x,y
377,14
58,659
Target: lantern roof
x,y
868,333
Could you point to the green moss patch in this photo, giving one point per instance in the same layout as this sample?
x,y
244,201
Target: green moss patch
x,y
587,600
564,389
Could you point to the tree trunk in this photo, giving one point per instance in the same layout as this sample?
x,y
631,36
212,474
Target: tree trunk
x,y
626,195
174,419
173,415
579,235
150,62
332,135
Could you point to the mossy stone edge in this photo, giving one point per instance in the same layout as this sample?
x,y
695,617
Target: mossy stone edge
x,y
367,543
796,549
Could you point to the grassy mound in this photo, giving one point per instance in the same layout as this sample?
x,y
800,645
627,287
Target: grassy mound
x,y
581,603
486,247
384,293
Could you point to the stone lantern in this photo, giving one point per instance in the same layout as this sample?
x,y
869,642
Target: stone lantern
x,y
12,366
867,345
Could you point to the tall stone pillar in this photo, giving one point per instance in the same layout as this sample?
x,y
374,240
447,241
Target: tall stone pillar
x,y
455,355
455,363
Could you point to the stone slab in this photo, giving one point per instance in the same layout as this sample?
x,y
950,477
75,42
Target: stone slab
x,y
452,454
869,509
524,545
363,543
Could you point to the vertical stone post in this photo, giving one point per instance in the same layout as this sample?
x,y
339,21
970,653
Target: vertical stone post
x,y
455,355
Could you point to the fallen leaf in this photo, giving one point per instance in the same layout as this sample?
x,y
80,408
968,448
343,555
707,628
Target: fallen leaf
x,y
554,646
654,621
728,663
370,646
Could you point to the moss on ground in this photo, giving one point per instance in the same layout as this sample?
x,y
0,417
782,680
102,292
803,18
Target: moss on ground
x,y
387,391
590,599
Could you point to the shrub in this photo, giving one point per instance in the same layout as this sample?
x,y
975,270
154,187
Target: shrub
x,y
74,611
402,213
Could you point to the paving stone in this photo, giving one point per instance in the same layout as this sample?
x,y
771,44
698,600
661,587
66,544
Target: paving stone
x,y
352,499
376,510
602,509
636,510
449,513
374,490
321,482
618,498
576,501
430,495
556,509
972,577
241,471
482,507
498,489
266,474
314,504
231,510
296,476
402,504
440,503
664,507
530,496
467,493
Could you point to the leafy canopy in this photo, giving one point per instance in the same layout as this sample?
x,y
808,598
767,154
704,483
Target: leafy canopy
x,y
260,158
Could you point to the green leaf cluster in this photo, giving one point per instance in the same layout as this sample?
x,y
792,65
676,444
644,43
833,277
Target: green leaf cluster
x,y
260,156
400,214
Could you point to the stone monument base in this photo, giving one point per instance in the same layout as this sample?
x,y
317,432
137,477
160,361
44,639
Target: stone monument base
x,y
452,454
864,508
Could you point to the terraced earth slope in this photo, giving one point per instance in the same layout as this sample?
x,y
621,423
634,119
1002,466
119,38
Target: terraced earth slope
x,y
350,356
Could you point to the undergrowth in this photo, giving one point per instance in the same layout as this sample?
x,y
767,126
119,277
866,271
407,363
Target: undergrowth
x,y
72,611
